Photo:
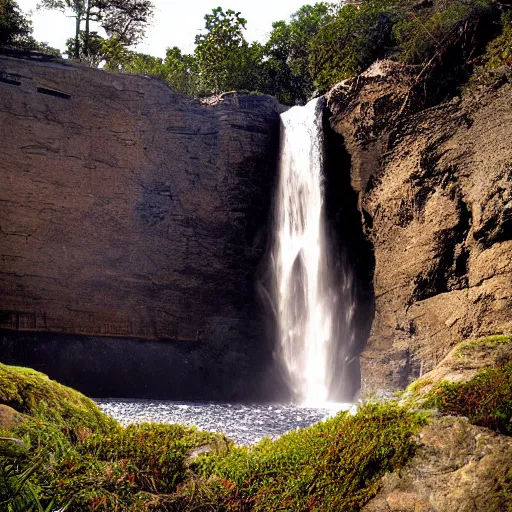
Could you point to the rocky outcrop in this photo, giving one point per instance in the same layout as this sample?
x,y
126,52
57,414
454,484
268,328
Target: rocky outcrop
x,y
435,194
457,467
130,211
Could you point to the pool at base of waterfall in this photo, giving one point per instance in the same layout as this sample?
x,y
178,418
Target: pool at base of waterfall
x,y
243,423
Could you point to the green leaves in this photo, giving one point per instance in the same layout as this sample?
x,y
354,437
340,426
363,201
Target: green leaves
x,y
124,21
352,41
15,28
288,49
224,58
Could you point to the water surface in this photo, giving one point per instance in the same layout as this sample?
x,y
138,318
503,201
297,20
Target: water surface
x,y
245,424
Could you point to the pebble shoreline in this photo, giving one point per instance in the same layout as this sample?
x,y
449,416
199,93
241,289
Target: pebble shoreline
x,y
244,424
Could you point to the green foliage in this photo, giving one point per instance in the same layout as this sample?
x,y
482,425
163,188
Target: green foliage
x,y
287,52
356,37
178,70
224,59
15,28
123,20
127,466
333,465
499,51
420,36
486,399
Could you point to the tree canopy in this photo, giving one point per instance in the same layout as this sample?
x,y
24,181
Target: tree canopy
x,y
124,22
307,54
16,29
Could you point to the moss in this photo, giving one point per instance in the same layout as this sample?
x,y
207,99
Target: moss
x,y
488,341
418,385
333,465
33,393
99,465
486,399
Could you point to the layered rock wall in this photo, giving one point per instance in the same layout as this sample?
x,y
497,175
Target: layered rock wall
x,y
129,210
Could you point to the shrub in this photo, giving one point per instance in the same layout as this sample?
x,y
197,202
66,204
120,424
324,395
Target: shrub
x,y
419,37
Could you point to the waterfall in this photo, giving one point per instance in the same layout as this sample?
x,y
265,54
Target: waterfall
x,y
307,298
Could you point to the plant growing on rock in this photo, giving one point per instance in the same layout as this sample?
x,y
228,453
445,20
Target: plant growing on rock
x,y
486,399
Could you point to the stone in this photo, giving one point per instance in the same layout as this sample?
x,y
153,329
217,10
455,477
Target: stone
x,y
434,192
458,467
9,418
130,212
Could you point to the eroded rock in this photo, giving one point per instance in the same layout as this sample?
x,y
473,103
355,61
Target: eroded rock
x,y
458,467
434,192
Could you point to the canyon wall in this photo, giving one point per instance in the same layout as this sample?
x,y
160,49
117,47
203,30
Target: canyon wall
x,y
134,213
435,195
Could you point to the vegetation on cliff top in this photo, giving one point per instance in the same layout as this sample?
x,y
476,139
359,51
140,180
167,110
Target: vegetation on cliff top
x,y
325,43
318,46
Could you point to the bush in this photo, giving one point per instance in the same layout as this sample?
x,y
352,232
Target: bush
x,y
420,36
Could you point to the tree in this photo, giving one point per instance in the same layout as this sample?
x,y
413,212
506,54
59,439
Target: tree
x,y
356,37
181,72
288,51
124,20
224,58
15,28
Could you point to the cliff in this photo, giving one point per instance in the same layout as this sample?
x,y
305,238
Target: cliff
x,y
132,212
434,193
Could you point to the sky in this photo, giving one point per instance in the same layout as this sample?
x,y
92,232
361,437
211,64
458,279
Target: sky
x,y
175,24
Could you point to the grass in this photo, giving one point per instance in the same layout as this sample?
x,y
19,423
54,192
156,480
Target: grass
x,y
78,458
486,400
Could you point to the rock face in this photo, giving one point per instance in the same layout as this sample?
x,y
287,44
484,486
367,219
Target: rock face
x,y
458,467
436,198
130,211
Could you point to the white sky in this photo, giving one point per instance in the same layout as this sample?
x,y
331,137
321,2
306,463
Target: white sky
x,y
175,24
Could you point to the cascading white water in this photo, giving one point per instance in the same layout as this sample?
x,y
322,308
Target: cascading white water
x,y
305,296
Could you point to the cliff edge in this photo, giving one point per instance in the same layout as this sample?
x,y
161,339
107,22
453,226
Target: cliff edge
x,y
435,194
